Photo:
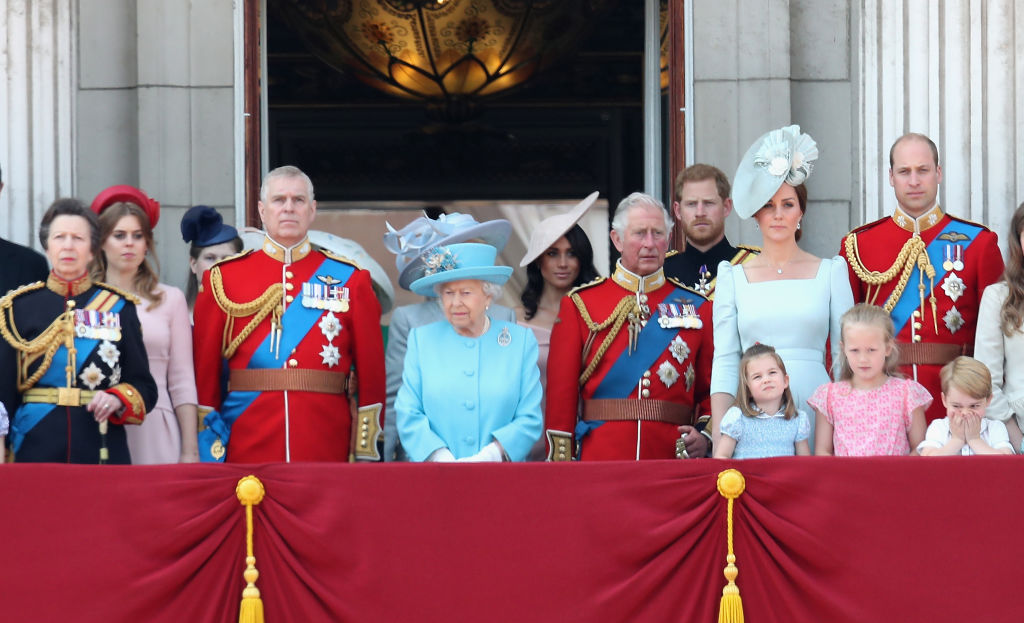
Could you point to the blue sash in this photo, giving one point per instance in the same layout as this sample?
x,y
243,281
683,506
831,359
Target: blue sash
x,y
31,413
296,322
625,374
910,300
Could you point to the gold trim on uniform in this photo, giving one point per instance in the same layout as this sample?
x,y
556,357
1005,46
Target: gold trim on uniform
x,y
560,444
126,391
286,255
635,283
366,430
919,224
67,288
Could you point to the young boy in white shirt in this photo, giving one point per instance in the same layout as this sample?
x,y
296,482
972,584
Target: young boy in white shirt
x,y
966,392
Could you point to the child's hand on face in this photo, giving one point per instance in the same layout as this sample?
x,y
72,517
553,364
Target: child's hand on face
x,y
972,426
956,426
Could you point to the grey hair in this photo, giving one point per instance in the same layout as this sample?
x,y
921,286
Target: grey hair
x,y
634,200
285,171
70,207
490,289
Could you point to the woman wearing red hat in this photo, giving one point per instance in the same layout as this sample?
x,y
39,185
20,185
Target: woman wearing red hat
x,y
127,217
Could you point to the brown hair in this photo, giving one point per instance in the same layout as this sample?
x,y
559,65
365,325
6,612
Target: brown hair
x,y
743,400
145,281
873,316
1011,317
968,375
699,173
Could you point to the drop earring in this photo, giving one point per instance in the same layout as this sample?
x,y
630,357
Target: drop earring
x,y
798,223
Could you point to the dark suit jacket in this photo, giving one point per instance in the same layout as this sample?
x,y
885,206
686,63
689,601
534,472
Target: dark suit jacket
x,y
20,265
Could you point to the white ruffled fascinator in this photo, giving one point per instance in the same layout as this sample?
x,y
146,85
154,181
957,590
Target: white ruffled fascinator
x,y
781,156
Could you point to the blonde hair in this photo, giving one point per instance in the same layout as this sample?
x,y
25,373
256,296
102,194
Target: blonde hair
x,y
744,402
872,316
146,281
968,375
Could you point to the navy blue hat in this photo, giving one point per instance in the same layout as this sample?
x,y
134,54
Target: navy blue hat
x,y
204,227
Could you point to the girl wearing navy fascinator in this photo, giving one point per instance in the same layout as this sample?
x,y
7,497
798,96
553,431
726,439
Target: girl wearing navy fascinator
x,y
211,241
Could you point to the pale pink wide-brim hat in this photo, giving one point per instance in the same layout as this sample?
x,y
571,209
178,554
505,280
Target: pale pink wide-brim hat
x,y
548,231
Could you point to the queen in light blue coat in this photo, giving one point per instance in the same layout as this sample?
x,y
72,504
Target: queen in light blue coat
x,y
470,386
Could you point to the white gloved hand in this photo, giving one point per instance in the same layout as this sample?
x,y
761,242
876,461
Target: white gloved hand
x,y
441,455
491,453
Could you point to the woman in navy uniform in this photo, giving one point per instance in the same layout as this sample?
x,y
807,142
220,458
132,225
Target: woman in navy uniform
x,y
73,369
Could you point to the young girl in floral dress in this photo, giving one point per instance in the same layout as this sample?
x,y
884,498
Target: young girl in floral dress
x,y
764,421
871,410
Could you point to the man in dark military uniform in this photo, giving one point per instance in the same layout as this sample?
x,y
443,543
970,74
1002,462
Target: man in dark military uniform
x,y
291,320
635,350
927,268
21,264
701,205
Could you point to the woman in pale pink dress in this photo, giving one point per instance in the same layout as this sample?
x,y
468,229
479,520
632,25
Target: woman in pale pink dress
x,y
558,259
168,434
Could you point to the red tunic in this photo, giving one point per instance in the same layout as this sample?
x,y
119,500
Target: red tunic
x,y
288,425
680,372
956,307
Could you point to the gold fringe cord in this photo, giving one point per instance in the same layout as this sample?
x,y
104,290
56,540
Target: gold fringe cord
x,y
250,492
730,485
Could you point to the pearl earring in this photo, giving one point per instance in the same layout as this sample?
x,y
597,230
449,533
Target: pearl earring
x,y
798,224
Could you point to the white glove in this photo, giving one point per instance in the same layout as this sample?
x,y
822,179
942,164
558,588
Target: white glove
x,y
490,453
441,455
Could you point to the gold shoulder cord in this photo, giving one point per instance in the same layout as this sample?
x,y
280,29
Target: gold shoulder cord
x,y
628,305
259,308
60,331
913,253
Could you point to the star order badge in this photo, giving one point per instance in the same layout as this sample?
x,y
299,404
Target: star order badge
x,y
680,349
330,326
668,374
953,286
109,353
92,376
953,320
330,355
115,375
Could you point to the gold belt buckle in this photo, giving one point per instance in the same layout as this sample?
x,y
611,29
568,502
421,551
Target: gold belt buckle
x,y
69,397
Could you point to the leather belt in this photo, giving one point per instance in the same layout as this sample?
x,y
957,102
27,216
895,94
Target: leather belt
x,y
932,354
631,410
269,380
63,396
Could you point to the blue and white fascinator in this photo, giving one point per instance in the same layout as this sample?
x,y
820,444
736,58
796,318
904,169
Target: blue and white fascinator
x,y
781,156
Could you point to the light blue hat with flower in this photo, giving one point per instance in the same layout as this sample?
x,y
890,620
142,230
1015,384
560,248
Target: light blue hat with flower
x,y
781,156
466,260
411,242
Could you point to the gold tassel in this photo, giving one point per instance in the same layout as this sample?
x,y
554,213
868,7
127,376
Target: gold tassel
x,y
250,492
730,610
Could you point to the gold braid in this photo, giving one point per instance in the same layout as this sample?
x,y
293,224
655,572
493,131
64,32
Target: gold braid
x,y
259,308
628,305
913,253
60,331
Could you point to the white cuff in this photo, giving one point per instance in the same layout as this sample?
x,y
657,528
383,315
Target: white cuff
x,y
441,455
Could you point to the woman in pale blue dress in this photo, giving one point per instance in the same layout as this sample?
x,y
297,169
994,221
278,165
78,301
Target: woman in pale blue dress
x,y
784,297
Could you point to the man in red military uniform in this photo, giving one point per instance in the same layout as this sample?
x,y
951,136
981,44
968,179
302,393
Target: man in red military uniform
x,y
291,321
630,355
927,268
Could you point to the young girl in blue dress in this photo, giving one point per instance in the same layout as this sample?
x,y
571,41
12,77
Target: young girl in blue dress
x,y
764,420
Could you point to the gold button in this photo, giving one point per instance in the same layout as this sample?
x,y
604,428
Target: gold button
x,y
288,274
366,419
365,427
289,298
128,392
561,456
362,443
289,287
364,434
917,338
646,382
917,325
647,374
646,393
917,313
293,363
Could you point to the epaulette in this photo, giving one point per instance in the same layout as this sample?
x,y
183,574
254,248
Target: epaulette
x,y
683,286
589,284
5,301
671,253
233,257
338,258
963,220
749,247
867,226
126,295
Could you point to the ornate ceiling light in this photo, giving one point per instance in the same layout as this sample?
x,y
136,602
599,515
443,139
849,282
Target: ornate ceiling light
x,y
450,54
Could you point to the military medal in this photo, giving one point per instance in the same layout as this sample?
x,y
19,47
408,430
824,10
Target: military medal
x,y
679,349
947,265
958,262
504,338
325,297
953,320
953,286
217,449
674,316
668,373
702,284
